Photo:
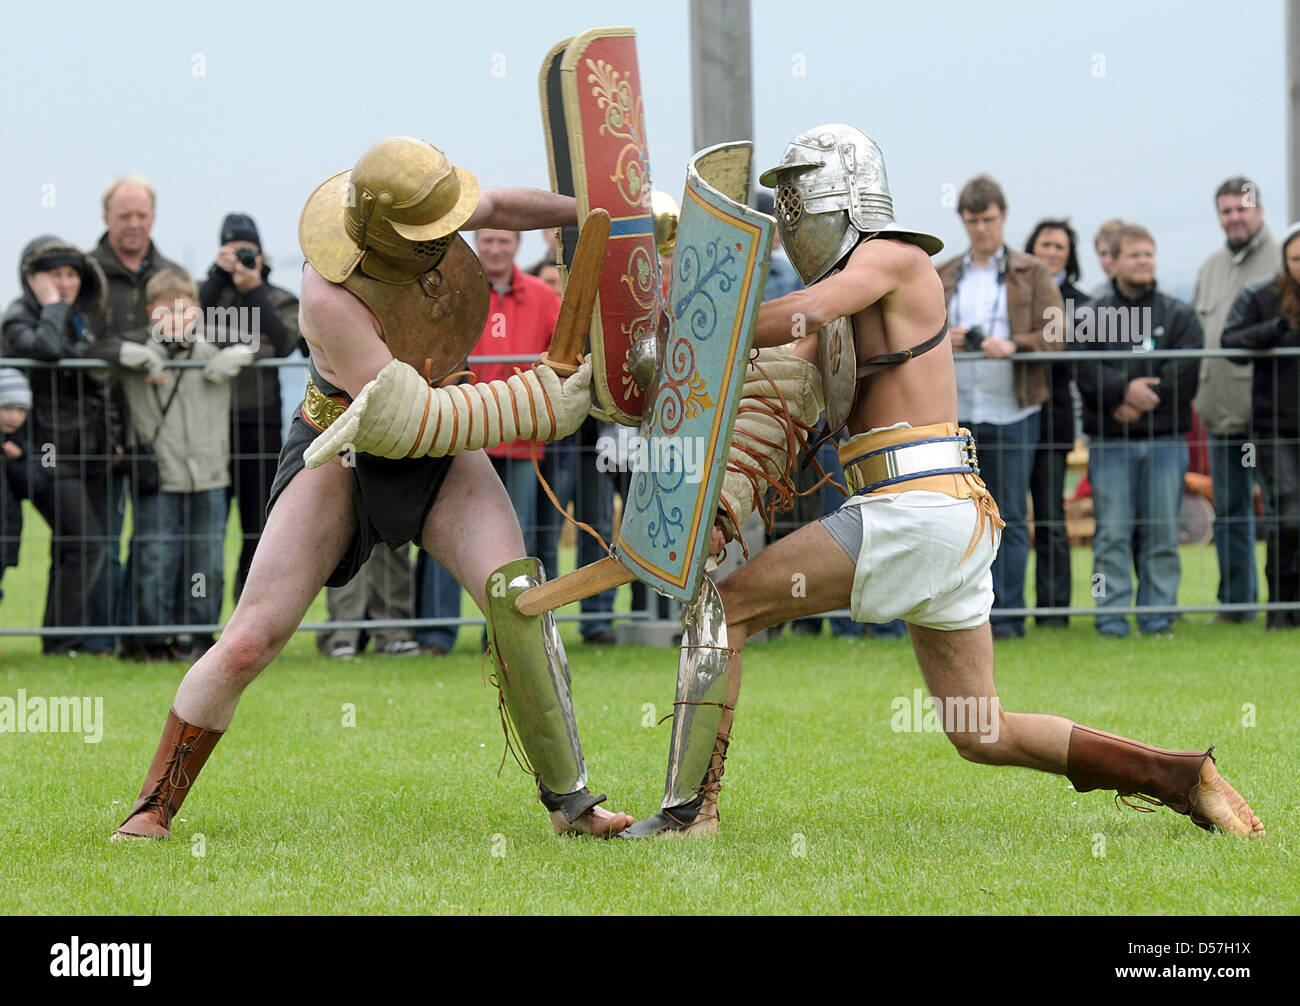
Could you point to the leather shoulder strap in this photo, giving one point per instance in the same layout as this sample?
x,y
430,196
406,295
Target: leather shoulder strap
x,y
887,360
873,366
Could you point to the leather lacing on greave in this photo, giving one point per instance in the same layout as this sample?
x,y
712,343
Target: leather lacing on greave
x,y
712,782
514,747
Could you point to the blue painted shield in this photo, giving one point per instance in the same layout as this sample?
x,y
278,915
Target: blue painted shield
x,y
719,267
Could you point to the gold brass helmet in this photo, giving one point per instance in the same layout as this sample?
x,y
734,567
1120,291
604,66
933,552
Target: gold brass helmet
x,y
394,214
665,210
386,232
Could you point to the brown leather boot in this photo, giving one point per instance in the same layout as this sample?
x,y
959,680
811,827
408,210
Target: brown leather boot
x,y
1171,779
181,754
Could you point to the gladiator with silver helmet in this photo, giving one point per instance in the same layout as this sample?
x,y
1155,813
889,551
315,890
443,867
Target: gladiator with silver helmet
x,y
918,536
831,194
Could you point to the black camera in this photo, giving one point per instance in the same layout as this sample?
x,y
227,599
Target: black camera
x,y
975,337
247,257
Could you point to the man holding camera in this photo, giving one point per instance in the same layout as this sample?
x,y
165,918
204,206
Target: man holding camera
x,y
245,309
1000,303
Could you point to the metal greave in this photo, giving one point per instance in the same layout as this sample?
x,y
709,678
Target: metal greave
x,y
702,680
533,675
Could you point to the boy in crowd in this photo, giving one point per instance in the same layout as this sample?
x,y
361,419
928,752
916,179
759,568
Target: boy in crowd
x,y
179,420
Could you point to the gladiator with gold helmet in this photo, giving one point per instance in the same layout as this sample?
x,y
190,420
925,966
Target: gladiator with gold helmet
x,y
385,447
866,340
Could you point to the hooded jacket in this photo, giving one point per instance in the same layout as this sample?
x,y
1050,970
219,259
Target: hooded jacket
x,y
72,409
19,478
191,442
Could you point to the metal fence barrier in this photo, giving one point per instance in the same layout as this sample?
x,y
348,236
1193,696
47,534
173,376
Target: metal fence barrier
x,y
587,468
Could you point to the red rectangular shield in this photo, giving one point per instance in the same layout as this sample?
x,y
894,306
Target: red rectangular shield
x,y
596,144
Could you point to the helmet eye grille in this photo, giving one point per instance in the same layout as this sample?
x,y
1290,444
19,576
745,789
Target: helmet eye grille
x,y
432,250
788,204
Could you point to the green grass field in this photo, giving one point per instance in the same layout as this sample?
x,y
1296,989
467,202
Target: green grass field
x,y
826,809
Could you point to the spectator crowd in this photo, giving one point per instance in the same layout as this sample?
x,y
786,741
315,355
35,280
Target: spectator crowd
x,y
171,417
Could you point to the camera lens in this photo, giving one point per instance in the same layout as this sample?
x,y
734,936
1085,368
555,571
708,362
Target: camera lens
x,y
247,257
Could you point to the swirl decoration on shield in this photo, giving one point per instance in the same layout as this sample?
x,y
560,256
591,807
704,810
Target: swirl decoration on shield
x,y
719,267
594,120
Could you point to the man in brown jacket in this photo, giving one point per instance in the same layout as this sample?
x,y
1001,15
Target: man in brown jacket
x,y
1001,303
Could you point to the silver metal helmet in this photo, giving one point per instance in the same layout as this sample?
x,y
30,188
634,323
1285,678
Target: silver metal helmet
x,y
831,190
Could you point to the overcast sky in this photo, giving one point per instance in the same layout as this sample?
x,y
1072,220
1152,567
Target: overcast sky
x,y
1093,110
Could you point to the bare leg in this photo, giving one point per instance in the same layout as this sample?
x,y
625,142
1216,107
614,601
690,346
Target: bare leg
x,y
957,665
472,530
305,537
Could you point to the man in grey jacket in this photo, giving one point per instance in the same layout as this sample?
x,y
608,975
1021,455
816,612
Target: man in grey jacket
x,y
1223,402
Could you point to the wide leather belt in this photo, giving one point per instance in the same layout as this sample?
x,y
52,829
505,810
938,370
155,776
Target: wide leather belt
x,y
888,466
939,458
320,409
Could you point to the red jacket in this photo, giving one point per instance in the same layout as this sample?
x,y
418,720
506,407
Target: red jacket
x,y
520,322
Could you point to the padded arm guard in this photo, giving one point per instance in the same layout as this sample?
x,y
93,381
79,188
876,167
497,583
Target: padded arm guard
x,y
397,415
780,403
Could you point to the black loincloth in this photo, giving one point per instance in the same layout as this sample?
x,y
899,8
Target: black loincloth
x,y
392,497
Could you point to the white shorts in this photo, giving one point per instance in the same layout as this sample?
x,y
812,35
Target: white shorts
x,y
909,562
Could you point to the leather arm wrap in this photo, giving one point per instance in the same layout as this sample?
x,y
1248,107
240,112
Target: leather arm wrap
x,y
397,415
780,403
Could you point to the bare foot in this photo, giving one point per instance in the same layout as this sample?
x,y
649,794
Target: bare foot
x,y
597,822
1223,806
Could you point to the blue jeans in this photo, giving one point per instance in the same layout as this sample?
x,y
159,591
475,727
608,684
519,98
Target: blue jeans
x,y
1136,484
1006,457
437,595
177,554
1234,521
437,592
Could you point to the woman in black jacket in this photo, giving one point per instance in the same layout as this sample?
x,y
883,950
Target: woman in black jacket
x,y
1054,243
1267,315
74,424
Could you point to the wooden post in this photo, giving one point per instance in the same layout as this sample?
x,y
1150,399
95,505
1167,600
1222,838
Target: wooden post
x,y
1293,107
722,92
